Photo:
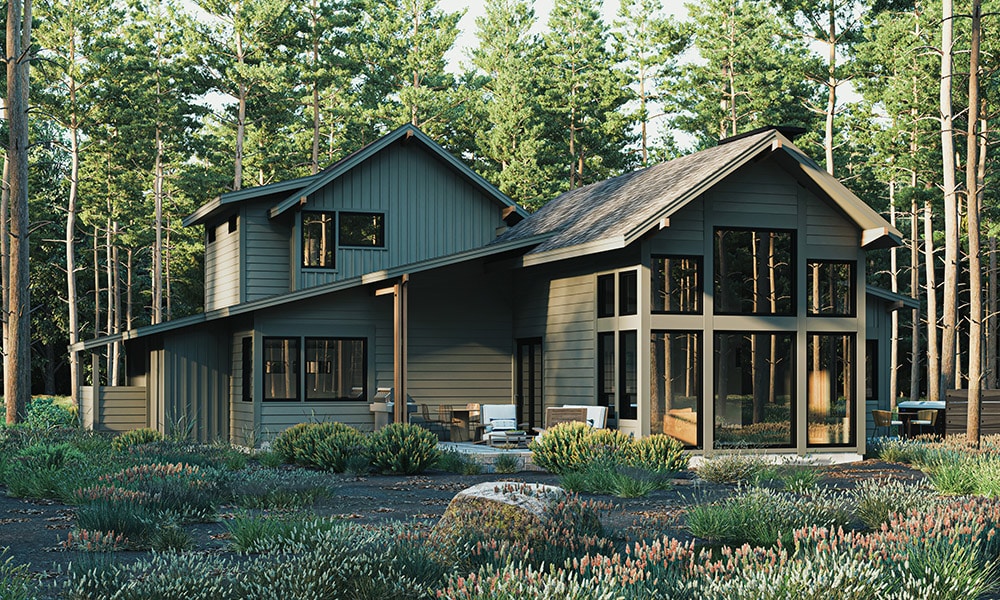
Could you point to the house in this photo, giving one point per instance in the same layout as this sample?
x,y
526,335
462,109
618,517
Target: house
x,y
717,297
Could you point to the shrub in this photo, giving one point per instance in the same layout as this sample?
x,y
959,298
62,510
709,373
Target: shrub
x,y
268,488
733,468
402,448
877,500
569,447
506,464
604,475
171,538
50,456
269,459
129,518
174,451
44,470
44,413
143,435
358,465
659,453
184,490
454,461
332,444
287,441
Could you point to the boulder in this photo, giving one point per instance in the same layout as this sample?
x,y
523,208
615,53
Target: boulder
x,y
515,512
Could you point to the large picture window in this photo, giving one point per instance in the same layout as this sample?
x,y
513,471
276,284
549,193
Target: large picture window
x,y
362,230
754,389
336,369
281,369
676,284
319,243
754,272
830,288
831,374
675,386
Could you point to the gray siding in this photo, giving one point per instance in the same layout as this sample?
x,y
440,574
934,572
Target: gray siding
x,y
222,267
267,246
241,417
191,371
685,233
758,195
119,408
430,211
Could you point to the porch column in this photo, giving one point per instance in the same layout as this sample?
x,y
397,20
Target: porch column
x,y
399,344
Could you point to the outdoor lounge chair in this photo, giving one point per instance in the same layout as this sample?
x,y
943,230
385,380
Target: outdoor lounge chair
x,y
500,426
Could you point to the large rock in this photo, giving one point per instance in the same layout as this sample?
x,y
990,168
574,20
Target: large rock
x,y
516,512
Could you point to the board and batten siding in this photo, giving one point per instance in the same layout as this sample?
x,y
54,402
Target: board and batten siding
x,y
191,391
222,267
430,211
241,415
266,262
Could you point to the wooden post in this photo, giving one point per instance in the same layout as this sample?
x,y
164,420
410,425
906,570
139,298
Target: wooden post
x,y
399,301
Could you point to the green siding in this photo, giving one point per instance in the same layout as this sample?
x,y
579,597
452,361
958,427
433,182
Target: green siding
x,y
193,384
222,267
266,257
241,414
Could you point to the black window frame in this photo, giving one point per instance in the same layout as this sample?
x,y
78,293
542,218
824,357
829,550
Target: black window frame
x,y
628,293
605,338
607,296
364,368
625,408
699,377
295,366
699,288
340,229
333,223
852,434
792,273
853,309
247,370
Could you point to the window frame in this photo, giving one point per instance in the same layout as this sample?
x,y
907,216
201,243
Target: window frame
x,y
606,339
296,366
380,215
628,291
699,293
302,239
604,302
626,411
246,375
852,436
792,271
364,368
699,335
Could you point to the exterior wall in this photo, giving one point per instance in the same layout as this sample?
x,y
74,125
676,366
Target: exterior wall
x,y
760,195
430,211
241,413
222,267
190,371
119,408
878,327
266,243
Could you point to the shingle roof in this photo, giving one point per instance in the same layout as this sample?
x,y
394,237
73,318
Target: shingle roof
x,y
614,212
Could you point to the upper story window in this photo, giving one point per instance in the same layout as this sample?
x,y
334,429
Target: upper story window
x,y
606,295
754,272
676,285
623,298
830,288
319,243
362,230
628,293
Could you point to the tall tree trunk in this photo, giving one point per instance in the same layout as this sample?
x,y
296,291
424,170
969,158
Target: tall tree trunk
x,y
951,242
158,229
975,266
17,374
930,283
129,254
117,347
5,261
914,293
241,117
166,271
831,84
71,299
894,285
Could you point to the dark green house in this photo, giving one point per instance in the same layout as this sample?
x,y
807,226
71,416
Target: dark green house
x,y
717,297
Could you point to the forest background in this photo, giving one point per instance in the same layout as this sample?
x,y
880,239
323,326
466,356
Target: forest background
x,y
141,110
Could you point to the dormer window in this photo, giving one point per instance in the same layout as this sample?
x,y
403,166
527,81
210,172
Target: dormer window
x,y
362,230
319,244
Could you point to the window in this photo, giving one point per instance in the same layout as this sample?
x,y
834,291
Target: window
x,y
754,272
281,368
210,233
754,389
247,373
628,378
871,370
318,241
605,295
675,386
831,389
362,230
830,288
606,372
628,294
232,224
336,369
676,285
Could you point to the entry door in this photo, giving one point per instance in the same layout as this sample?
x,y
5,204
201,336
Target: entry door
x,y
530,406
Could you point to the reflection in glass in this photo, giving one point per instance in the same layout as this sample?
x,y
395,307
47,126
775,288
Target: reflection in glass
x,y
362,229
628,384
281,368
831,389
675,387
318,241
676,284
754,389
753,272
335,369
830,288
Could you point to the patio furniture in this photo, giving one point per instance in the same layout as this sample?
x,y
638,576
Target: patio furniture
x,y
883,418
500,426
925,418
463,421
597,416
555,415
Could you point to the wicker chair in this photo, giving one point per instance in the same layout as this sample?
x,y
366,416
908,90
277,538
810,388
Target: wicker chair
x,y
925,418
883,418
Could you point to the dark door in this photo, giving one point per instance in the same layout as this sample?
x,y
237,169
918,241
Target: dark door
x,y
530,407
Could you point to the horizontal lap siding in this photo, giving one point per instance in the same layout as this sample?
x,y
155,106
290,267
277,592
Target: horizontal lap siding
x,y
222,269
240,412
430,211
685,234
758,195
460,338
122,408
570,339
826,228
266,262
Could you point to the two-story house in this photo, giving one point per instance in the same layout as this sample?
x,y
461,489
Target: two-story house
x,y
718,297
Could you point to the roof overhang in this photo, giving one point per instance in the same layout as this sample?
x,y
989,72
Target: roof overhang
x,y
894,300
221,204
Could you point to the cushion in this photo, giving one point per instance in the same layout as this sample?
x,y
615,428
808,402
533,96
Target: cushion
x,y
503,424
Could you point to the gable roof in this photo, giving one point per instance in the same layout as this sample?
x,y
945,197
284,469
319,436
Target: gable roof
x,y
406,132
612,214
220,203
